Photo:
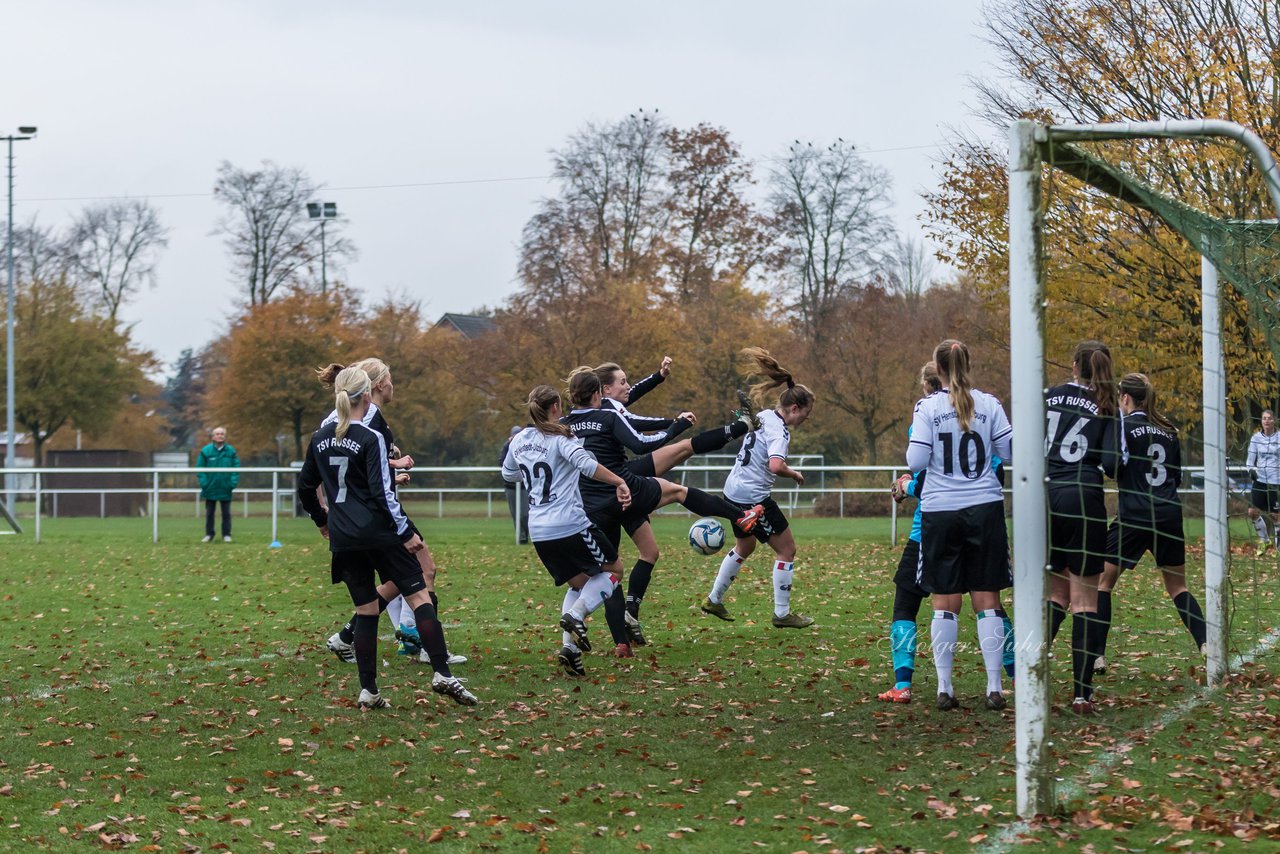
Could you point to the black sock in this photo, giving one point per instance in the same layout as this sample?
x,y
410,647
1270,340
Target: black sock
x,y
637,584
1192,616
615,610
1057,614
1083,627
346,634
431,634
365,640
706,504
1104,618
435,600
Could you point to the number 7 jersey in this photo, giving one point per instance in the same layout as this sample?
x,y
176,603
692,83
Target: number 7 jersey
x,y
958,461
549,466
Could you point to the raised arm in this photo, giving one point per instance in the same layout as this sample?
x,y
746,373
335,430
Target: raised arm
x,y
642,443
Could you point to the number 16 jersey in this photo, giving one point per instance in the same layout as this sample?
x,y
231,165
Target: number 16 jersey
x,y
958,461
1074,436
549,466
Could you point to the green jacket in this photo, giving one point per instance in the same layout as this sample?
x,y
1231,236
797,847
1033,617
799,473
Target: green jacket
x,y
217,487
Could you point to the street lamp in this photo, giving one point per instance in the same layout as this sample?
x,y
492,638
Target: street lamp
x,y
323,211
24,132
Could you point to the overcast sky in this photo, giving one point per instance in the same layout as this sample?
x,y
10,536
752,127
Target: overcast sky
x,y
147,98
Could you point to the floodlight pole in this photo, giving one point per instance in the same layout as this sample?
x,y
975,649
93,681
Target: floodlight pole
x,y
1216,535
10,457
1030,557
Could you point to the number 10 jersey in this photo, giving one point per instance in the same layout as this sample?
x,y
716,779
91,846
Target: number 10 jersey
x,y
958,461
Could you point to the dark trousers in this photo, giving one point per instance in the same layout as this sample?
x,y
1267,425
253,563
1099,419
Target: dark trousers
x,y
523,519
226,518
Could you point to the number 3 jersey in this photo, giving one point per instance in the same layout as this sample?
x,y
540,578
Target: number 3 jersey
x,y
1149,470
958,461
1074,436
751,479
549,466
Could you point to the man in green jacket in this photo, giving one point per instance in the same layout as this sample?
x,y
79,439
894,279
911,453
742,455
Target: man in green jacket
x,y
216,487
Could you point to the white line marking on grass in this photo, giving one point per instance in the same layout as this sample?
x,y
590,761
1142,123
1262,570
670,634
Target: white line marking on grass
x,y
1074,788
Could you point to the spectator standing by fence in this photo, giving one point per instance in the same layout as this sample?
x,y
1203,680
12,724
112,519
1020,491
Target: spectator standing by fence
x,y
216,487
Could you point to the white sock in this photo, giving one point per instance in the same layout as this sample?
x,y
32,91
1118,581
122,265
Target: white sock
x,y
1260,525
594,592
782,574
942,634
393,611
570,599
729,569
407,618
991,642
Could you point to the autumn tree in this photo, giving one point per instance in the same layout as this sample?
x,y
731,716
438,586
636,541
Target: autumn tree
x,y
268,235
71,367
268,384
1114,271
114,247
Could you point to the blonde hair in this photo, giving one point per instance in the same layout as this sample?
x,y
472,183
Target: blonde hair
x,y
349,386
541,399
759,361
375,368
952,359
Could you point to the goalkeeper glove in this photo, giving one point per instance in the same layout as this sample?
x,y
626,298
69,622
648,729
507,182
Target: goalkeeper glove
x,y
899,488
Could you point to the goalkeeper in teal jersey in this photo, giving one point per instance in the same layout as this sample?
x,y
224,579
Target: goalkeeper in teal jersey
x,y
908,595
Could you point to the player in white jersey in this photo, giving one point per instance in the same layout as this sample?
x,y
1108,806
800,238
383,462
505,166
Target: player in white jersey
x,y
1264,468
549,460
402,616
762,459
964,546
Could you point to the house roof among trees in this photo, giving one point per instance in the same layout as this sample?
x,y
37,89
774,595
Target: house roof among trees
x,y
468,325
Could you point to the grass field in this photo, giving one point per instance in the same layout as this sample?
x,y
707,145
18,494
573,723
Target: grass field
x,y
179,697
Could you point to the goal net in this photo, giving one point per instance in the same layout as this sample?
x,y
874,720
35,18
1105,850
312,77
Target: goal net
x,y
1122,233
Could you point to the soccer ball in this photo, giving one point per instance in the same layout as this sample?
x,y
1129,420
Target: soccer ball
x,y
706,536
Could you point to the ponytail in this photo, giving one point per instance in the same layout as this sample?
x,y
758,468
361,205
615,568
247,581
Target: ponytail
x,y
759,361
952,359
349,386
541,399
375,368
1092,361
1139,387
329,373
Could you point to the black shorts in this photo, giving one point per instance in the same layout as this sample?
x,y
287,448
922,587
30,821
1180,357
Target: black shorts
x,y
772,523
1077,528
642,466
1163,537
585,553
908,565
1265,496
966,550
612,520
392,563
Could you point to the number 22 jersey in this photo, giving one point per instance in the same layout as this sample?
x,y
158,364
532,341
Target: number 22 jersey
x,y
550,465
958,461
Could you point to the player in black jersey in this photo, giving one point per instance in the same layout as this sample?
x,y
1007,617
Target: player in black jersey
x,y
1148,471
402,618
608,436
617,394
1081,427
367,533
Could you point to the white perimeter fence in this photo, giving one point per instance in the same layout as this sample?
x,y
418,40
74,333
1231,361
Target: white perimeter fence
x,y
836,491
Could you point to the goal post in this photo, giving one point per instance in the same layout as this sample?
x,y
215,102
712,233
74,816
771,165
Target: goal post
x,y
1031,145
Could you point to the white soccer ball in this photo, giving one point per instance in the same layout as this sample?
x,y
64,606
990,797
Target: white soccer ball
x,y
706,536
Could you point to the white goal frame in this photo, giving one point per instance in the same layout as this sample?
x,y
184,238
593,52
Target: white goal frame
x,y
1027,139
